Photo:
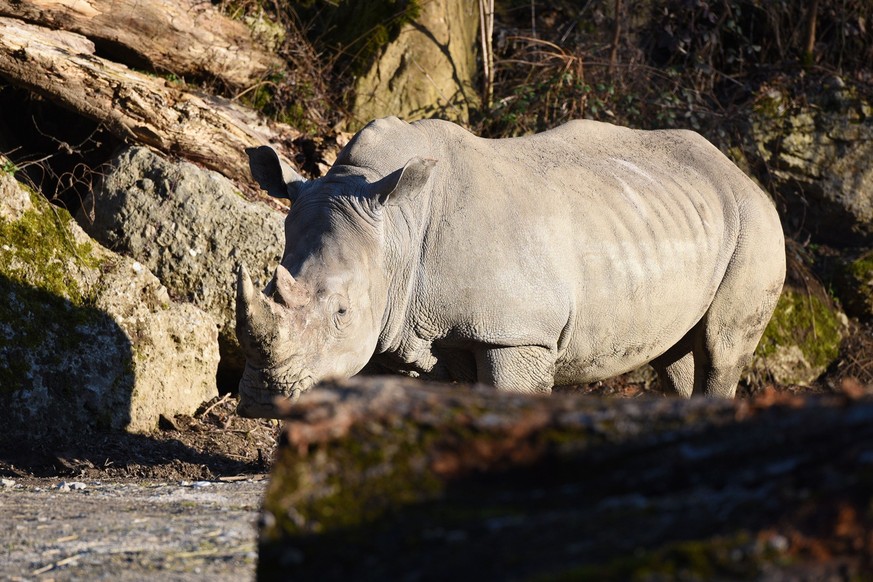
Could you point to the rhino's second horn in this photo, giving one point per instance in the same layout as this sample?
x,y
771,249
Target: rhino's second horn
x,y
257,325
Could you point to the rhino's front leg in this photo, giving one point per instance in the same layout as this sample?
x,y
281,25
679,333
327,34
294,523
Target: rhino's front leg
x,y
529,369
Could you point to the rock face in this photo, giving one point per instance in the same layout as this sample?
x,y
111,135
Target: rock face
x,y
388,478
191,228
821,164
89,339
428,71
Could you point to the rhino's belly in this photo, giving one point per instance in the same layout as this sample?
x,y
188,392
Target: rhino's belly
x,y
599,365
628,321
601,355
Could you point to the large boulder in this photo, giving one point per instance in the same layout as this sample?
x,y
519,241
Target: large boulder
x,y
192,228
428,70
820,162
392,479
89,339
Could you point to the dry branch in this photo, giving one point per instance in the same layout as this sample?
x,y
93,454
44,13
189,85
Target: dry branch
x,y
187,37
62,67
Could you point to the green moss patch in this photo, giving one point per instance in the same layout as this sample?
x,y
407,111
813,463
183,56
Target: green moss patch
x,y
856,287
366,478
735,557
805,321
40,251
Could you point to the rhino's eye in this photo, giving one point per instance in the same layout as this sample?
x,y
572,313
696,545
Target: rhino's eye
x,y
340,307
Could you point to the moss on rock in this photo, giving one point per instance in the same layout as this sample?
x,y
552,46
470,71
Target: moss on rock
x,y
46,281
855,286
802,338
39,250
735,556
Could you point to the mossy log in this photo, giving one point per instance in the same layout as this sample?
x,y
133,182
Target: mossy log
x,y
185,37
62,67
387,478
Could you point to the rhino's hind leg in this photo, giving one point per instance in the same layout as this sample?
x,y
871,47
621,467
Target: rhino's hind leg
x,y
529,369
676,368
730,341
742,306
711,357
676,376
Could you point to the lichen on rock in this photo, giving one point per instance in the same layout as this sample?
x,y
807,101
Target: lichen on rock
x,y
820,162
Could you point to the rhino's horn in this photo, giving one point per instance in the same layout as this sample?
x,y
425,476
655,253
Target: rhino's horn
x,y
290,293
255,321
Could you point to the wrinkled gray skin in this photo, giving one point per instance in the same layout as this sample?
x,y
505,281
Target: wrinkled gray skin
x,y
565,257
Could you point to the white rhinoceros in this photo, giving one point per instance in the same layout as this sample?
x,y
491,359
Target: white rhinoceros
x,y
564,257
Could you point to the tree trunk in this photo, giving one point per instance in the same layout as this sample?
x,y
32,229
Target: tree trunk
x,y
186,37
429,70
386,478
62,67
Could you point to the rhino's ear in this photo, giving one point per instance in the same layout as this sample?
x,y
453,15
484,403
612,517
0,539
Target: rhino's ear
x,y
274,175
405,182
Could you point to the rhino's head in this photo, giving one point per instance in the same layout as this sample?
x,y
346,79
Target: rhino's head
x,y
322,313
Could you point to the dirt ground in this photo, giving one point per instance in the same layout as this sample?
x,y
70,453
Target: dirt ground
x,y
180,504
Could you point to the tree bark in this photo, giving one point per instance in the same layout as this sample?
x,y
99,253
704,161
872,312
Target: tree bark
x,y
429,70
62,67
386,478
189,38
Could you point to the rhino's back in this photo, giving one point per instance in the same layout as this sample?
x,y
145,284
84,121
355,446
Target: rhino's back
x,y
604,242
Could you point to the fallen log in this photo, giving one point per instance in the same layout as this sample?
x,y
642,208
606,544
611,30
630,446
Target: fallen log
x,y
387,478
189,38
62,67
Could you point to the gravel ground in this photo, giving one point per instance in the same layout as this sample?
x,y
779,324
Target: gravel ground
x,y
93,530
178,504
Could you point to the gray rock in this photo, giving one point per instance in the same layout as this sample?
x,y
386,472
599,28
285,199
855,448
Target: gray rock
x,y
191,228
89,339
821,162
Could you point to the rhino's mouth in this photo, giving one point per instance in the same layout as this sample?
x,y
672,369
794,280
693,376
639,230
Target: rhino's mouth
x,y
258,390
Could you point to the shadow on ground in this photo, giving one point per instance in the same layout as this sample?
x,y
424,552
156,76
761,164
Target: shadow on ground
x,y
212,444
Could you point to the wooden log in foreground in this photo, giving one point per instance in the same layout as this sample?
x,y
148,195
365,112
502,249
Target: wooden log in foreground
x,y
62,67
186,37
387,478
